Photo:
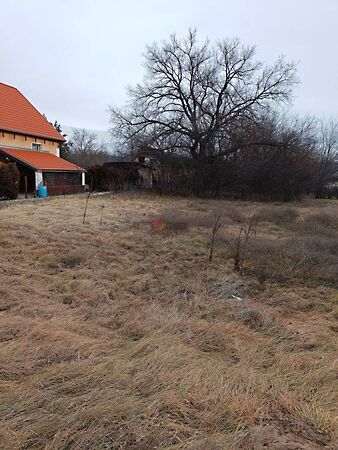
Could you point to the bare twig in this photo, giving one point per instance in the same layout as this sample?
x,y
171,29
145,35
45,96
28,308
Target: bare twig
x,y
217,225
241,244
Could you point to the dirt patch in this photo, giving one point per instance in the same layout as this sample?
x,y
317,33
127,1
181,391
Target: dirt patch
x,y
280,431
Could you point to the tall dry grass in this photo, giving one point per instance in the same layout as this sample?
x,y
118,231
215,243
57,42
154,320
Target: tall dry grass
x,y
120,335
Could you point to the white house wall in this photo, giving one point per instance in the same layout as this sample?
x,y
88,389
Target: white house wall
x,y
38,179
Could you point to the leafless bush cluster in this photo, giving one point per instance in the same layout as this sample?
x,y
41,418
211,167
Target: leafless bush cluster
x,y
107,178
278,216
215,228
239,245
308,257
320,223
9,180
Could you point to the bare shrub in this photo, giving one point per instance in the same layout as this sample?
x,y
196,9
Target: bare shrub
x,y
280,215
310,257
325,219
232,212
319,223
9,180
240,245
216,226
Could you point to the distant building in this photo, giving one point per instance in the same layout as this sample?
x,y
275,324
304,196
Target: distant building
x,y
140,166
29,140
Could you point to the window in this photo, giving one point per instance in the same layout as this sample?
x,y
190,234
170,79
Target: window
x,y
36,146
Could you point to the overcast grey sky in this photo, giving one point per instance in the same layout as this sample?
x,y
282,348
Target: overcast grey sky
x,y
72,58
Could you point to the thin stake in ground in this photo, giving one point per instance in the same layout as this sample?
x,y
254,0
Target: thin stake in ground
x,y
101,219
87,198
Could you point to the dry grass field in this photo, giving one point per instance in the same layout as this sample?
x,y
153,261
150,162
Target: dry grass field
x,y
123,335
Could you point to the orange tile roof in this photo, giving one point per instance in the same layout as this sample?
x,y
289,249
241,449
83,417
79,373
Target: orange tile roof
x,y
41,160
19,115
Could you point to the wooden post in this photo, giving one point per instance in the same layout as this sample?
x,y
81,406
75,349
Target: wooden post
x,y
26,189
85,209
87,198
102,208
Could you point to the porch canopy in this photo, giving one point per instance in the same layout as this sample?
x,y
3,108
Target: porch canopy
x,y
41,161
35,168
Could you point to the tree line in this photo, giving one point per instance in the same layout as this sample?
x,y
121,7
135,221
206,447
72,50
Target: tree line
x,y
213,120
83,148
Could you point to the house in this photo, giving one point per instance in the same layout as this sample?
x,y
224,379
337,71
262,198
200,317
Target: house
x,y
29,140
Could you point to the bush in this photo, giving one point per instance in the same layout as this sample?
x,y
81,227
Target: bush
x,y
278,216
280,176
324,222
309,257
105,178
9,180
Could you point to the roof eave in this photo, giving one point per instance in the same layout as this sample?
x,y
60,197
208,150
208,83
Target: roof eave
x,y
24,133
25,163
64,170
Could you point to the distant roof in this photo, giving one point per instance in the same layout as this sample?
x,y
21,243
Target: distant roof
x,y
18,115
41,160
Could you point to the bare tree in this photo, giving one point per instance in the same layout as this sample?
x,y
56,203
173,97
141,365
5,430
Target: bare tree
x,y
275,157
84,149
327,156
193,94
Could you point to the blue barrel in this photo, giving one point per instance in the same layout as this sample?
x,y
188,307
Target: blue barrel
x,y
42,191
